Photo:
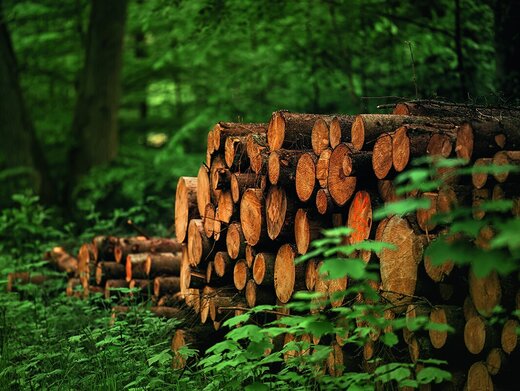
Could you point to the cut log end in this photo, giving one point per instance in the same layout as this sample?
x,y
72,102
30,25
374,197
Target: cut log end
x,y
306,176
252,215
382,159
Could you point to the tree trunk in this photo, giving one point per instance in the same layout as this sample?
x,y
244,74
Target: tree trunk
x,y
95,122
20,153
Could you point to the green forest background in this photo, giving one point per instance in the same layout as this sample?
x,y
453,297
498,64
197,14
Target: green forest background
x,y
105,103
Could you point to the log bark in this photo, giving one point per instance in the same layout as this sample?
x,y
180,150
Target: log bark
x,y
252,212
62,261
113,288
305,179
341,186
163,264
235,154
288,276
199,246
263,269
217,165
282,164
208,221
166,285
340,130
185,206
136,266
223,130
109,271
241,182
279,214
24,278
257,295
292,130
140,244
235,241
399,267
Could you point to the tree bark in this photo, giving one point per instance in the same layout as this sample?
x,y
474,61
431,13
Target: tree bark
x,y
95,122
21,155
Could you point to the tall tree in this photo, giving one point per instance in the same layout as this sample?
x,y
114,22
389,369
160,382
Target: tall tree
x,y
21,159
95,124
507,47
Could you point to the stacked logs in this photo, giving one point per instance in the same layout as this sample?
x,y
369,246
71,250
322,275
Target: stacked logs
x,y
266,191
148,267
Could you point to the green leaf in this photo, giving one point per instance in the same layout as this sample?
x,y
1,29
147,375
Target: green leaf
x,y
389,339
235,320
256,386
402,207
432,375
339,268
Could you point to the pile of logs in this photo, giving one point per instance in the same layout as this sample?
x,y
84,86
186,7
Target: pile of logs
x,y
266,191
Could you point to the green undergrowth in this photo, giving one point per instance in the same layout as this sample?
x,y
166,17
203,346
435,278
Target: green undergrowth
x,y
49,341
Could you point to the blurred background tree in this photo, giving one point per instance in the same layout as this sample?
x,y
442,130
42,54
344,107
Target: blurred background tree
x,y
183,65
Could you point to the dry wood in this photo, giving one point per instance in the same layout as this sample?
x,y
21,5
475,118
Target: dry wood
x,y
424,216
142,288
479,197
305,179
324,203
280,212
224,297
203,189
226,211
250,255
205,302
252,212
24,278
486,292
166,285
185,205
282,166
438,273
113,288
446,315
199,337
478,378
469,308
479,335
320,136
235,241
503,158
140,245
399,267
136,265
72,287
307,227
235,154
288,276
222,179
340,129
223,130
263,269
322,167
341,186
109,271
310,274
292,130
62,261
335,366
163,264
479,179
199,246
241,273
360,217
104,248
509,336
382,157
335,291
217,165
208,221
257,295
222,263
86,260
257,152
419,348
241,182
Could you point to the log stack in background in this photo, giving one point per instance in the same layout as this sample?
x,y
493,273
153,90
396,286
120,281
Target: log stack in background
x,y
267,190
